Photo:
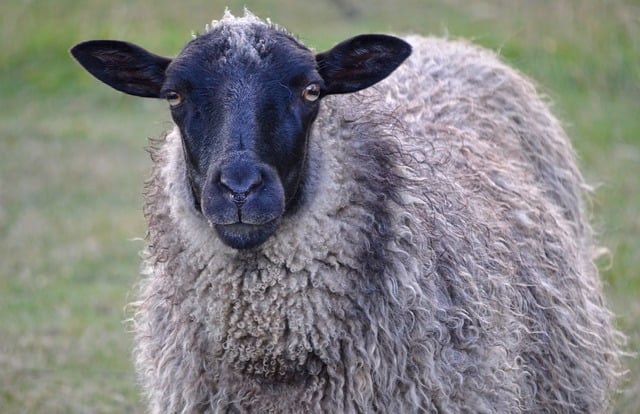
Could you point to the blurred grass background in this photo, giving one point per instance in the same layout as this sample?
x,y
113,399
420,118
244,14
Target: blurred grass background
x,y
72,162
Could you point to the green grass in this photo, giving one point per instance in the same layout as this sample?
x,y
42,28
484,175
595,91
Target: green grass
x,y
72,163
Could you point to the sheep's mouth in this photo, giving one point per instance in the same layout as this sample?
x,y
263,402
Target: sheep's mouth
x,y
245,236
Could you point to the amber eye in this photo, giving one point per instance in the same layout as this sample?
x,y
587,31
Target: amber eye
x,y
311,92
174,98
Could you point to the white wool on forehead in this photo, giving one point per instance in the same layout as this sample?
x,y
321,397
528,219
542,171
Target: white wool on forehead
x,y
229,19
238,31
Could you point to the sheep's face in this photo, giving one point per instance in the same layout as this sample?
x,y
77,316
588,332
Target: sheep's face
x,y
244,96
244,106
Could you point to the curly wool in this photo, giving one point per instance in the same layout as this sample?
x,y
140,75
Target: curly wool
x,y
441,262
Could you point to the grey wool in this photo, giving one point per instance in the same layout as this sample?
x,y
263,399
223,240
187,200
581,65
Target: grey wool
x,y
441,261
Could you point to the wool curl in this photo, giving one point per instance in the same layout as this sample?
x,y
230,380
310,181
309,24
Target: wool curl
x,y
442,261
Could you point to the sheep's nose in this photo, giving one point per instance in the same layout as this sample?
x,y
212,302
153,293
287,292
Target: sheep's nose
x,y
239,183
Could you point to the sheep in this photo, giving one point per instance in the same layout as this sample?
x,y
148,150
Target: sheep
x,y
393,225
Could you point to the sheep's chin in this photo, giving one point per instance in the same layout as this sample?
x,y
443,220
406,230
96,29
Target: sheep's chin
x,y
243,236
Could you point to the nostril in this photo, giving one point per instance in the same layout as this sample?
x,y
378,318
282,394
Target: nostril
x,y
257,182
240,183
238,198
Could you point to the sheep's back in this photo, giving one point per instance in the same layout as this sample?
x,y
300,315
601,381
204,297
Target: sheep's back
x,y
492,252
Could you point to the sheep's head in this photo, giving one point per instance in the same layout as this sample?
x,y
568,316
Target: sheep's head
x,y
244,95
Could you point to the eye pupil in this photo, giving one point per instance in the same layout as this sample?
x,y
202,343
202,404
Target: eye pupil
x,y
311,92
174,98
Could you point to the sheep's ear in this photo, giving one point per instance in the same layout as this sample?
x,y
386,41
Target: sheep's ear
x,y
360,62
123,66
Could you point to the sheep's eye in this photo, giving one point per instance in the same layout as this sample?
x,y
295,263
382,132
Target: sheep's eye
x,y
174,98
311,92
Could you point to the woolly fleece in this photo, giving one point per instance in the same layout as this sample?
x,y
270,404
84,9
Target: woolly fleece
x,y
441,262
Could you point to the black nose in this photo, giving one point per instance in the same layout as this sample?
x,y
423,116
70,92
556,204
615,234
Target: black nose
x,y
239,181
242,190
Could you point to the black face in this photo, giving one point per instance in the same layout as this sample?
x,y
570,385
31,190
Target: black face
x,y
244,116
244,97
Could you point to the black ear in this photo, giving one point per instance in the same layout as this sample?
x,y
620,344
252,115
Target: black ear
x,y
360,62
123,66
